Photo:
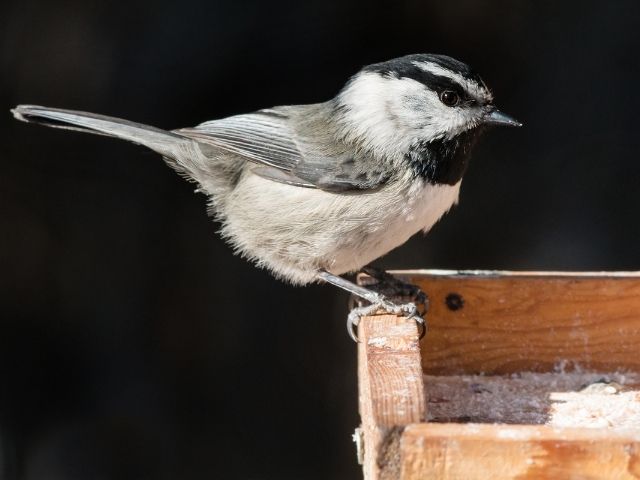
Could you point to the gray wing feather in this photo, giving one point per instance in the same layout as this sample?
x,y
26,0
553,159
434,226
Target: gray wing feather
x,y
277,175
293,147
255,136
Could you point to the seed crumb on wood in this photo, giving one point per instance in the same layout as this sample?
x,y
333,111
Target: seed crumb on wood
x,y
557,399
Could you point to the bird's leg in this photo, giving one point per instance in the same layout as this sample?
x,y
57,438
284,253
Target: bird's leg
x,y
377,302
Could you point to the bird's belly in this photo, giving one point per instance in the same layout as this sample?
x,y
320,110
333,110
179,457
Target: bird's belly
x,y
295,232
396,225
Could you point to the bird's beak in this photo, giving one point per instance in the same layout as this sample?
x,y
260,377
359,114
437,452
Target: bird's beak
x,y
496,117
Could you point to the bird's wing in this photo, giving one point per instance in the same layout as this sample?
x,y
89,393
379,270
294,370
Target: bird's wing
x,y
286,152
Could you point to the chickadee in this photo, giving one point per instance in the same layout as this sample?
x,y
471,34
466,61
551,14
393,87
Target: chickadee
x,y
314,191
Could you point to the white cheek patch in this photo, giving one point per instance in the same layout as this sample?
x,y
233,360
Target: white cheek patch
x,y
387,115
373,116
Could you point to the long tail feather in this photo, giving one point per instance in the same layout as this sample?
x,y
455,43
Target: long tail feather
x,y
162,141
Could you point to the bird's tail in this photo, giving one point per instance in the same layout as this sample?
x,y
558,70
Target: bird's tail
x,y
162,141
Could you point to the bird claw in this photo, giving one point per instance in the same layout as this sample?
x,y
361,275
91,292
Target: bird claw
x,y
408,310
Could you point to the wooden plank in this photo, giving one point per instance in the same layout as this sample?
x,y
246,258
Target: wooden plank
x,y
505,322
524,452
391,390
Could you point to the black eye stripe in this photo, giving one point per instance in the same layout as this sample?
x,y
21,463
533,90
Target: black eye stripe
x,y
441,83
405,67
438,83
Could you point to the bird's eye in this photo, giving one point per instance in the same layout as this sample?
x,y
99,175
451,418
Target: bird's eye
x,y
449,98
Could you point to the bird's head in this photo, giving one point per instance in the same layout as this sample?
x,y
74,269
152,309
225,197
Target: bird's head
x,y
418,105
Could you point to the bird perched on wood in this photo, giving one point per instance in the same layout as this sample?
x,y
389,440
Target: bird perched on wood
x,y
311,192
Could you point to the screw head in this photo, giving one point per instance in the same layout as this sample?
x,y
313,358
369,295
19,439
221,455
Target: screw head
x,y
454,301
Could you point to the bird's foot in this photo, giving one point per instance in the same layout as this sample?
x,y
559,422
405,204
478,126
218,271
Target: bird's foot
x,y
408,310
378,301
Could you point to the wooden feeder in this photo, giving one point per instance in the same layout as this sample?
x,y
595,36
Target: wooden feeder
x,y
487,331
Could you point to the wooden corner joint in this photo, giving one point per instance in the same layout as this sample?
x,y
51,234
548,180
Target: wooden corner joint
x,y
388,459
391,390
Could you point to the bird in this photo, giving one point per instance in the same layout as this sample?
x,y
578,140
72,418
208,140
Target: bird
x,y
312,192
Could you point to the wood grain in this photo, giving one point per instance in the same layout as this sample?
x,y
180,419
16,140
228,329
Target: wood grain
x,y
496,323
504,322
391,389
497,452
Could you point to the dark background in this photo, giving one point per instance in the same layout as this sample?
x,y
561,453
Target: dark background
x,y
133,344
